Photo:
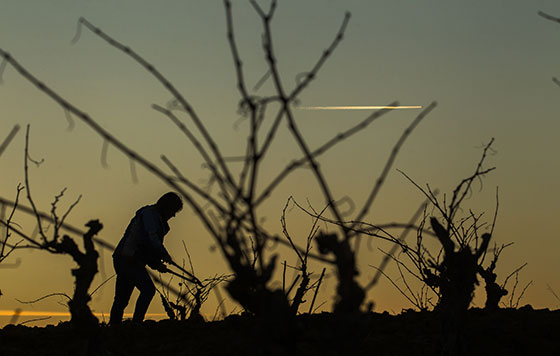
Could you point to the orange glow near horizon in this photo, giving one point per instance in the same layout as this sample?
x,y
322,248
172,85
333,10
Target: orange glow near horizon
x,y
55,313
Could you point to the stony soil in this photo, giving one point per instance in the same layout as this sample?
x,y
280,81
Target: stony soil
x,y
505,332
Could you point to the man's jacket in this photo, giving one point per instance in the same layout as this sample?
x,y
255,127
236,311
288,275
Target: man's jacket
x,y
143,238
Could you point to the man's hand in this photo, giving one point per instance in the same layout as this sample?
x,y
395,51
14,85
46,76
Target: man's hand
x,y
161,268
167,258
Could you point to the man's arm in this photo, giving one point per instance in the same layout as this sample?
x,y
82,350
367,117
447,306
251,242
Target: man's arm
x,y
154,230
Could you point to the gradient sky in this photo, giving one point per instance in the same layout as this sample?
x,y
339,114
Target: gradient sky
x,y
489,65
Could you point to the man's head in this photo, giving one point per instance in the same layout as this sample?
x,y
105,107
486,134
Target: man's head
x,y
168,205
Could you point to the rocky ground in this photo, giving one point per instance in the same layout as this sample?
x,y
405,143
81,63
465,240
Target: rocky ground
x,y
505,332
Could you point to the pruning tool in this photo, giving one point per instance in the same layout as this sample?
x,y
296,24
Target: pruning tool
x,y
188,276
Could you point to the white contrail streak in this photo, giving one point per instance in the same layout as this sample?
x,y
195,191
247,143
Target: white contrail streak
x,y
359,107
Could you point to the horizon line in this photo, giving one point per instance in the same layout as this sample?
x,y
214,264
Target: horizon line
x,y
11,313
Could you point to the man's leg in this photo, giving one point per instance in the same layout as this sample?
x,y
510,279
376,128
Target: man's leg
x,y
147,290
123,291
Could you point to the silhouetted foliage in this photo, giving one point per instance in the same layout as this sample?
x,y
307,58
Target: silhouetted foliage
x,y
81,315
494,292
452,275
304,276
192,292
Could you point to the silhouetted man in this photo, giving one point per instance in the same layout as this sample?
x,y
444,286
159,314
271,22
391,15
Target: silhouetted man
x,y
141,245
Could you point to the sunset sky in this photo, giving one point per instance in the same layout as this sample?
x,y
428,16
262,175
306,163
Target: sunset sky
x,y
488,64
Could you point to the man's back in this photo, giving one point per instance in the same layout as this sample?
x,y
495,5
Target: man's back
x,y
143,238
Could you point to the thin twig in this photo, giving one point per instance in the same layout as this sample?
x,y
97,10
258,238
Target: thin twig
x,y
45,297
522,293
102,284
293,284
403,293
34,320
3,254
317,290
549,17
28,189
9,139
516,271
